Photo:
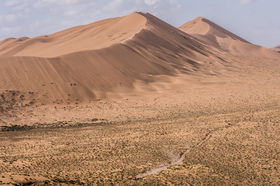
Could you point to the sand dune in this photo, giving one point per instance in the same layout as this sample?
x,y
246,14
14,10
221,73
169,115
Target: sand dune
x,y
108,56
115,56
214,35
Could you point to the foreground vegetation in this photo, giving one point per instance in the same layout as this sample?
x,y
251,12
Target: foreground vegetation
x,y
243,148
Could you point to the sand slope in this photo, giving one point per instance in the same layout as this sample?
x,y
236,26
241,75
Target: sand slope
x,y
109,56
212,34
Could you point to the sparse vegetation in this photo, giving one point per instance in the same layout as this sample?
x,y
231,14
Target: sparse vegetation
x,y
114,153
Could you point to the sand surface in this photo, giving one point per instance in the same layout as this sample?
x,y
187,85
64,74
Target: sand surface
x,y
136,97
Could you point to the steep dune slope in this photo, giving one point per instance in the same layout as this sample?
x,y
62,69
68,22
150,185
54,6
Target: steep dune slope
x,y
212,34
144,48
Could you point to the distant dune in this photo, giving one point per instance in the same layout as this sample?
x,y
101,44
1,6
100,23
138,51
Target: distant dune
x,y
212,34
108,56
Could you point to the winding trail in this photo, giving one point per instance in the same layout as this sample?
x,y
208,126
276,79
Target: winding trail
x,y
179,160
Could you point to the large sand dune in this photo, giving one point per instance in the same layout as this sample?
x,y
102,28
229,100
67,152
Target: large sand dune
x,y
109,56
212,34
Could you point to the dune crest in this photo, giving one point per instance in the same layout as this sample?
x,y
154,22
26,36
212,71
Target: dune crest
x,y
214,35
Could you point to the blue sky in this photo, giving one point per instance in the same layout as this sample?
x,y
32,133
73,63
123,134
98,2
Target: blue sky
x,y
255,20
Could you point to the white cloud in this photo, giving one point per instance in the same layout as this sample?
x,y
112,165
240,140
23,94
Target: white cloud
x,y
151,2
66,23
10,30
10,18
68,2
19,7
13,2
113,5
172,1
51,3
71,12
39,4
246,1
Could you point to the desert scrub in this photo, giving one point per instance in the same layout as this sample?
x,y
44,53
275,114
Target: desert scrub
x,y
114,153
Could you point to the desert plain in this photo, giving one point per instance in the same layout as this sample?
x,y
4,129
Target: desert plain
x,y
136,101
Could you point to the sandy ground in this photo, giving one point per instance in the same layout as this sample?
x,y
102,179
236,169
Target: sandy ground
x,y
227,128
